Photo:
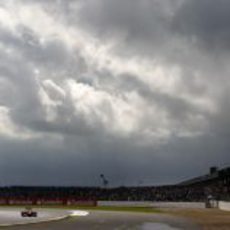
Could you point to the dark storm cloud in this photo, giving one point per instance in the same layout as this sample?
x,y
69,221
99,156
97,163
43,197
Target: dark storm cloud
x,y
206,21
75,164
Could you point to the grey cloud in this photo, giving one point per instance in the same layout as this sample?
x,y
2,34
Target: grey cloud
x,y
131,23
205,21
23,100
220,123
23,103
44,55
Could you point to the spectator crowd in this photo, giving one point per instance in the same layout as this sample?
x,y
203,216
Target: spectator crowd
x,y
216,184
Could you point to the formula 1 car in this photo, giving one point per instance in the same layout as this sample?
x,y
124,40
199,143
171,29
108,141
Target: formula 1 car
x,y
28,212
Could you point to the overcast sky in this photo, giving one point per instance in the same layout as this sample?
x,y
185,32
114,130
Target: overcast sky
x,y
135,89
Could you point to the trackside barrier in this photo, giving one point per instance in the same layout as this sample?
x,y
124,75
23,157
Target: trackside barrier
x,y
37,201
152,204
224,205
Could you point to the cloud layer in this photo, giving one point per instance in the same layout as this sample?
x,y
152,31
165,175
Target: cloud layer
x,y
137,90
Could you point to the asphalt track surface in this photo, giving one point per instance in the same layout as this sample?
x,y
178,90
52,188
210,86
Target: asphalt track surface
x,y
101,220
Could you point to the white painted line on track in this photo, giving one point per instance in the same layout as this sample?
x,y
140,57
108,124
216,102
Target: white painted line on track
x,y
78,213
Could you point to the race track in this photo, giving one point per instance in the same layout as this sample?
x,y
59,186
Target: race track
x,y
101,220
12,216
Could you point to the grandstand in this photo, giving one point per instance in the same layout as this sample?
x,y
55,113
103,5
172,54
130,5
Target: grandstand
x,y
216,183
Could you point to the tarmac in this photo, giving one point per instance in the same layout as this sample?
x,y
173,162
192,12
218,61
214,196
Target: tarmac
x,y
100,220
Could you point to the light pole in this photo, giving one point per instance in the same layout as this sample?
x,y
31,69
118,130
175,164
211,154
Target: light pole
x,y
105,182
